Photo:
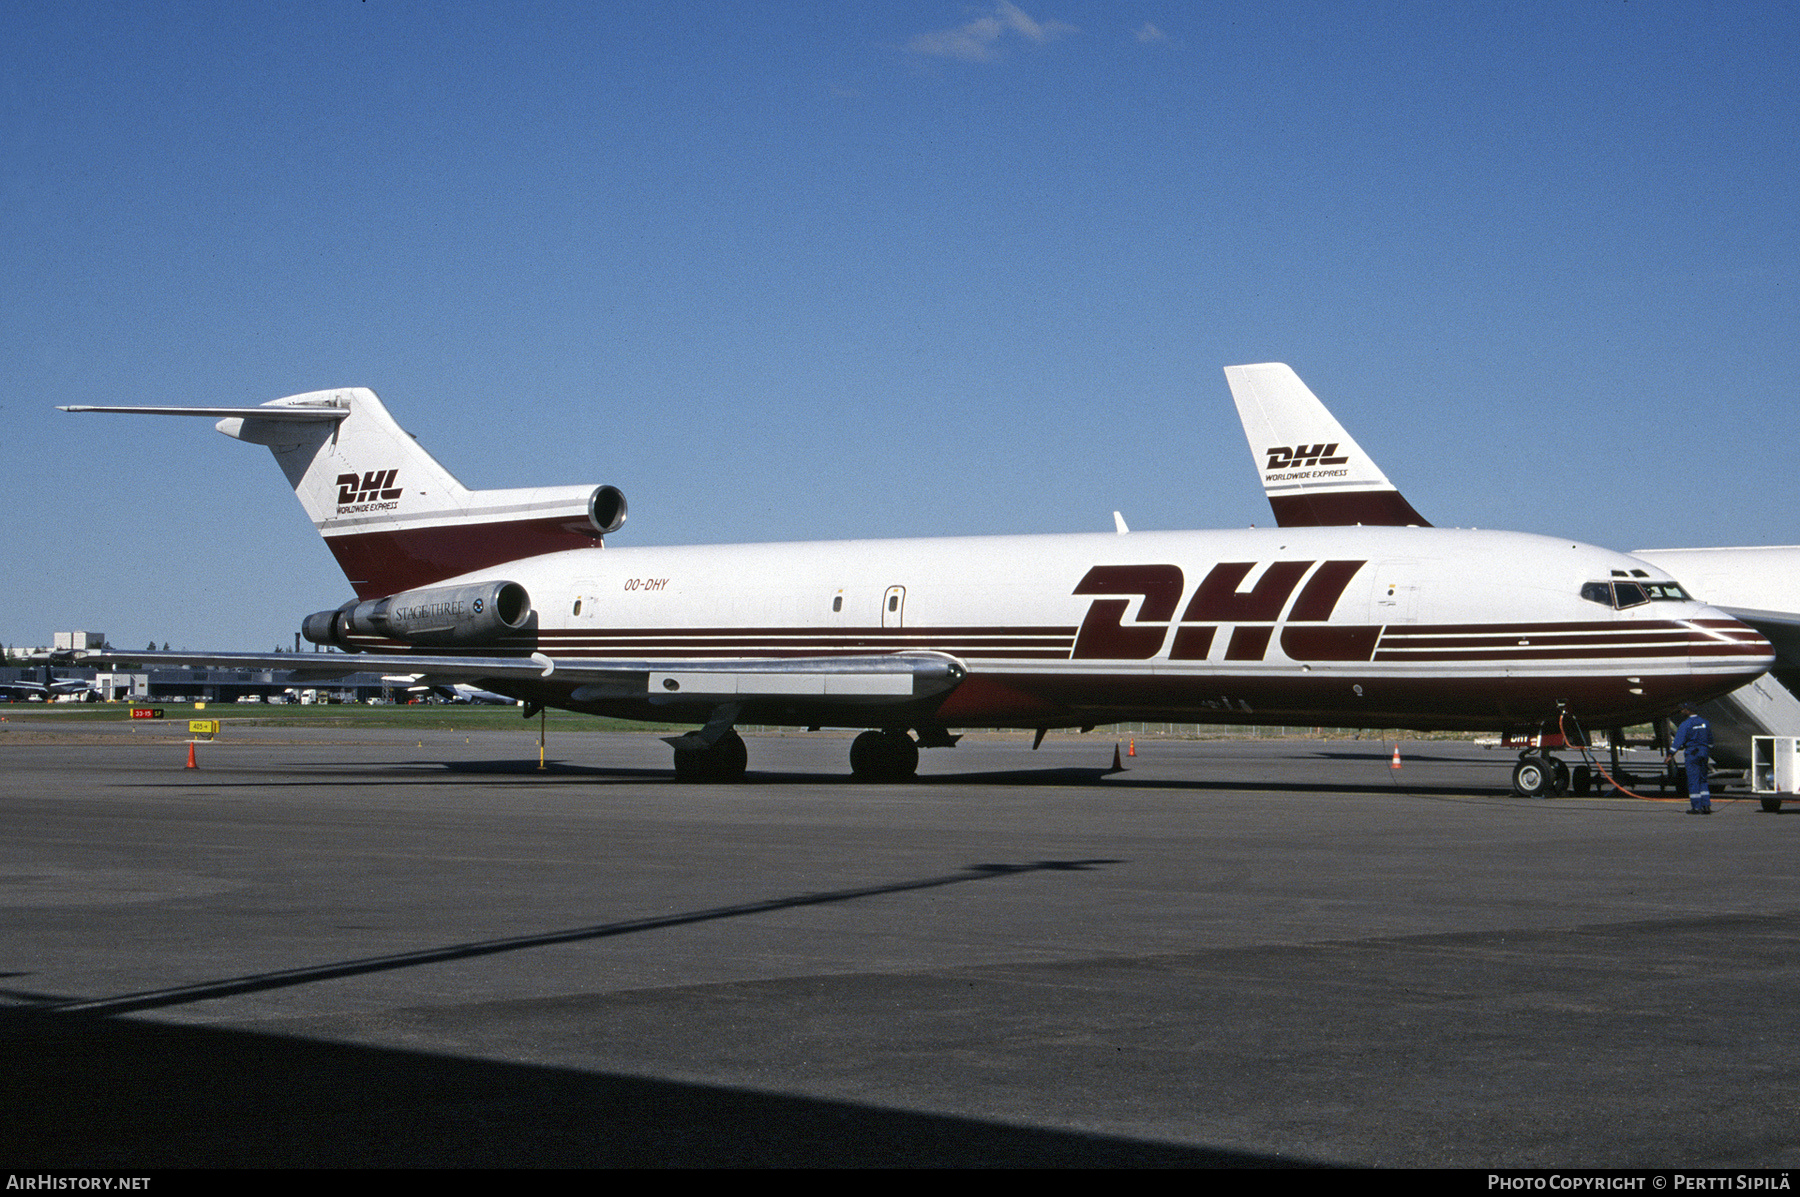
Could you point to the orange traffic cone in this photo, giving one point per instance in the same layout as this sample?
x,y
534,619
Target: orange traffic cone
x,y
1396,763
192,764
1132,751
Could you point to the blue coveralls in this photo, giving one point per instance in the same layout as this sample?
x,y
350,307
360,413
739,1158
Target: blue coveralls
x,y
1696,738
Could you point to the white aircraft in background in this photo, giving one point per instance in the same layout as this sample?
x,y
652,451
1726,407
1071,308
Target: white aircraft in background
x,y
1371,627
50,689
1315,474
455,692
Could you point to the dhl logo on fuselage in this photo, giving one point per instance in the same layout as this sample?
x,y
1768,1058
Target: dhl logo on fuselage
x,y
1285,457
1218,600
376,486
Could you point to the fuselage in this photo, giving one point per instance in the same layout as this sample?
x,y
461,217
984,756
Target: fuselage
x,y
1426,628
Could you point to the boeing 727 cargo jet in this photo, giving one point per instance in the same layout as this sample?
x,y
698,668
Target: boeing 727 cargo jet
x,y
517,591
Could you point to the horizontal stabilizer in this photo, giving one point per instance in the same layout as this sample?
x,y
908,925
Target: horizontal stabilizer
x,y
1314,473
291,415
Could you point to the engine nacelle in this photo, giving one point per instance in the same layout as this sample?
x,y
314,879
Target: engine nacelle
x,y
606,509
475,614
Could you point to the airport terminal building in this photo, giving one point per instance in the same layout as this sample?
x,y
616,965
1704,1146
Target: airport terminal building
x,y
201,684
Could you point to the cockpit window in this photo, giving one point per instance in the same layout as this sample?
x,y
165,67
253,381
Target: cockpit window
x,y
1633,594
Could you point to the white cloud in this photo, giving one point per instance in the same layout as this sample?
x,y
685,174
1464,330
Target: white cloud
x,y
1150,33
981,39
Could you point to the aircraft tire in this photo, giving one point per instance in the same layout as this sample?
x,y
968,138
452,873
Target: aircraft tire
x,y
730,757
904,756
865,754
1772,805
1532,777
725,761
884,756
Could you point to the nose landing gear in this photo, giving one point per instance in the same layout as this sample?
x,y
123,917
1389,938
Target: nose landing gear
x,y
1540,775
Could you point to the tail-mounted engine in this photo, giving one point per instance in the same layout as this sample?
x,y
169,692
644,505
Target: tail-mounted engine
x,y
477,614
606,509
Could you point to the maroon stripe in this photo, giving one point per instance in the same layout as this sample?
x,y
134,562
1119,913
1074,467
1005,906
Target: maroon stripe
x,y
802,642
386,562
1339,509
1522,629
1603,698
1540,641
1067,633
399,653
850,651
1534,654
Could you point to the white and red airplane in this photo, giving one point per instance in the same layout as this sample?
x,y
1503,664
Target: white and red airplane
x,y
1361,627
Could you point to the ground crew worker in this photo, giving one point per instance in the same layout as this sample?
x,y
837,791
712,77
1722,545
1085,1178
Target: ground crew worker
x,y
1694,738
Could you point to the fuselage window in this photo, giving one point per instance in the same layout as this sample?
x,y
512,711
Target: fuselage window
x,y
577,610
837,603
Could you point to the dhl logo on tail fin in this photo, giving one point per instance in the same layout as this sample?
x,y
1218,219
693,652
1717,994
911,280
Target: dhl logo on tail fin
x,y
368,488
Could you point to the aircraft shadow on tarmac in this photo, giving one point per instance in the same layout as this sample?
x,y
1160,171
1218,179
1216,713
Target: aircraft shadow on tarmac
x,y
121,1093
526,772
1051,775
112,1092
287,978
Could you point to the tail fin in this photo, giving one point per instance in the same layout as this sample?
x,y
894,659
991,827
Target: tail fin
x,y
1313,472
392,516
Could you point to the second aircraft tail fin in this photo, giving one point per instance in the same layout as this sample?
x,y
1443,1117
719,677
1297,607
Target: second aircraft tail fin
x,y
1314,473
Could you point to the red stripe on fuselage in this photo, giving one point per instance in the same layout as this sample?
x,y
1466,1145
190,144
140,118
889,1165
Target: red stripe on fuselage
x,y
386,562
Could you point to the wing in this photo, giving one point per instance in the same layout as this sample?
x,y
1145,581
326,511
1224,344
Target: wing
x,y
884,679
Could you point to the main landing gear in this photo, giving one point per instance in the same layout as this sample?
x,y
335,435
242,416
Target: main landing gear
x,y
890,755
723,760
716,752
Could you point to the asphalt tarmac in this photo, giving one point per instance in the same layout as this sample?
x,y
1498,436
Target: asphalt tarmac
x,y
385,948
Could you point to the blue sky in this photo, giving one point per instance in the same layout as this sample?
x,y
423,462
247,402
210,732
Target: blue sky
x,y
886,269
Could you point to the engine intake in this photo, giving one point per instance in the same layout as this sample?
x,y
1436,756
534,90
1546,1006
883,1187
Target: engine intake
x,y
476,614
